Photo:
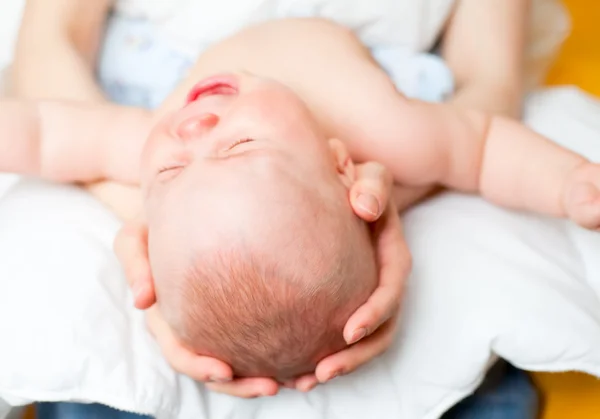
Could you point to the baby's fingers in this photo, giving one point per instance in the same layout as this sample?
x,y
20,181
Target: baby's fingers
x,y
346,361
131,250
246,387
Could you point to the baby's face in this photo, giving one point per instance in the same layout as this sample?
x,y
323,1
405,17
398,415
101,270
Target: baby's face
x,y
238,142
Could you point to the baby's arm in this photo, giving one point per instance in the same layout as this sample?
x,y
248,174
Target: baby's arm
x,y
501,159
471,151
69,142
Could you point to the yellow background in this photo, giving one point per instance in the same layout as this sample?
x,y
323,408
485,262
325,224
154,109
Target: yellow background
x,y
579,61
575,396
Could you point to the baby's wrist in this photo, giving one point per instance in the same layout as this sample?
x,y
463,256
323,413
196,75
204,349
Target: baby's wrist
x,y
121,162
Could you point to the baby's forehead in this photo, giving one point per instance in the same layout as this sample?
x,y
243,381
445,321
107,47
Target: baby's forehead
x,y
258,188
275,210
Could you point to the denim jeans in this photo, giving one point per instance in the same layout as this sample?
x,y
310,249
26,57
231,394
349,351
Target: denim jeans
x,y
81,411
507,393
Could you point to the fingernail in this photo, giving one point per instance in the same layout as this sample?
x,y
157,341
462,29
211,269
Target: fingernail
x,y
289,384
137,289
335,374
358,335
368,203
307,388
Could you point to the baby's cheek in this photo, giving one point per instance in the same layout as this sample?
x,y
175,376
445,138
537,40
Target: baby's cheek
x,y
151,147
150,206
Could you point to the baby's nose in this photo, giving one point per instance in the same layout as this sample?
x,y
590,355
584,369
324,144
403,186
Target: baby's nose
x,y
193,127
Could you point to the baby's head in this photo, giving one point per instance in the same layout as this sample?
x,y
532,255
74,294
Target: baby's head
x,y
257,256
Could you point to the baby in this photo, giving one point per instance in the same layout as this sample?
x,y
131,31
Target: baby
x,y
257,257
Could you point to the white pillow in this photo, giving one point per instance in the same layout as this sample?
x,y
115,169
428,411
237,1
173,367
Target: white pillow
x,y
486,281
10,17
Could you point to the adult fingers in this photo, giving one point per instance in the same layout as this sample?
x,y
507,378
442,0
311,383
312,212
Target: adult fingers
x,y
304,383
246,387
199,368
371,191
349,359
394,263
131,249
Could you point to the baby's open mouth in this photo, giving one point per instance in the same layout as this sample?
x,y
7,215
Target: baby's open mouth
x,y
223,84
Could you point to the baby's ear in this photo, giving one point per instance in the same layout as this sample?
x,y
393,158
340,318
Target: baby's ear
x,y
343,162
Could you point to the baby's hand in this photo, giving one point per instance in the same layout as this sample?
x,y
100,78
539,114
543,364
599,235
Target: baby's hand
x,y
582,196
370,330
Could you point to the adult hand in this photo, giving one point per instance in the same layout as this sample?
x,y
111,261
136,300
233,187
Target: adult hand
x,y
370,330
131,249
370,199
216,374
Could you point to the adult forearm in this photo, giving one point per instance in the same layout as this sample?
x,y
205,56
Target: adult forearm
x,y
54,69
487,97
484,46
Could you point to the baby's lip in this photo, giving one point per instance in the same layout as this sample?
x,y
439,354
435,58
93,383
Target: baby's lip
x,y
222,84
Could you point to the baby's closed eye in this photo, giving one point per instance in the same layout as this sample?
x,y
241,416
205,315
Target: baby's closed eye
x,y
238,142
170,171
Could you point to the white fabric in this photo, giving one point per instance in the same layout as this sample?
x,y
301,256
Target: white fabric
x,y
485,281
10,16
414,24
